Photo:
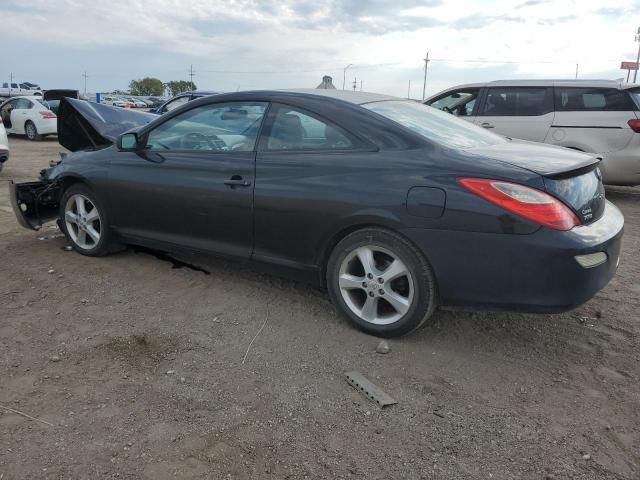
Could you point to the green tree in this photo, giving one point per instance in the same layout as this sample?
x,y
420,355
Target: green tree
x,y
178,86
146,86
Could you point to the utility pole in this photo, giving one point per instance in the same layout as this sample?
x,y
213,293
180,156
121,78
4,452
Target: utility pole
x,y
84,75
360,85
635,74
409,91
424,84
344,75
576,71
10,82
191,74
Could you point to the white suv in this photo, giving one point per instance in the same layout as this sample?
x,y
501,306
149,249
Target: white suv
x,y
600,116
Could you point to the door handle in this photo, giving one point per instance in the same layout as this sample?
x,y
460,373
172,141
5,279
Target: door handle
x,y
487,125
237,181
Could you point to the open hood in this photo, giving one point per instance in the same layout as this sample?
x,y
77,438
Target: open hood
x,y
59,94
83,125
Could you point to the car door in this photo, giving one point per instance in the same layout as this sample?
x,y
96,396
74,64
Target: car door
x,y
5,113
518,112
305,162
191,183
461,102
19,115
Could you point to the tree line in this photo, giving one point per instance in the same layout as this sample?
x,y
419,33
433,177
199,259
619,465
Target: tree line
x,y
154,87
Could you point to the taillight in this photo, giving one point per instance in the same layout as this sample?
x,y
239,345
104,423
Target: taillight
x,y
48,114
634,124
530,203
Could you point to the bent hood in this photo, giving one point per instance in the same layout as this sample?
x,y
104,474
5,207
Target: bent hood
x,y
83,125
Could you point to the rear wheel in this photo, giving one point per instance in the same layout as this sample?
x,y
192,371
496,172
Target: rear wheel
x,y
84,221
381,282
31,131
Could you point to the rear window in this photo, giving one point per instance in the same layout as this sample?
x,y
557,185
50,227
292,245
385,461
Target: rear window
x,y
593,100
435,125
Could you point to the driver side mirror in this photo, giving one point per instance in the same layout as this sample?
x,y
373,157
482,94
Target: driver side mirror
x,y
128,141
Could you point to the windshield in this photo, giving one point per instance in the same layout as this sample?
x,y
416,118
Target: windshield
x,y
434,125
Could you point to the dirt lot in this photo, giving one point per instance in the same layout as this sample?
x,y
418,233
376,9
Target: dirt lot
x,y
138,368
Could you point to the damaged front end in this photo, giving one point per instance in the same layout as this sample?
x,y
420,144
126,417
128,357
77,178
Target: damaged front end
x,y
84,128
35,203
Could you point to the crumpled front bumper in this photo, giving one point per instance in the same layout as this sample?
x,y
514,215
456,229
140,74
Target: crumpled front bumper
x,y
35,203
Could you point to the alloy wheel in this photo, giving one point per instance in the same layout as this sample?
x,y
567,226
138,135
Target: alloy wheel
x,y
376,285
31,131
83,222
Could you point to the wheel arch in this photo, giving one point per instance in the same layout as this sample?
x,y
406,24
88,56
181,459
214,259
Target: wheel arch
x,y
383,223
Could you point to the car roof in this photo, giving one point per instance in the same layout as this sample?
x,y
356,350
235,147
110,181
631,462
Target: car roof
x,y
358,98
550,83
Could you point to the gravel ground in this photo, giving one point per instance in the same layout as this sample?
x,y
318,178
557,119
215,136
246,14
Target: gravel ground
x,y
141,370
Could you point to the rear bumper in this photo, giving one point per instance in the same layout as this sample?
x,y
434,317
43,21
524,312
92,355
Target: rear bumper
x,y
48,126
621,167
536,272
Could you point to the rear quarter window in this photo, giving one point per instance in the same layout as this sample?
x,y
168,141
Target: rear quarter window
x,y
593,100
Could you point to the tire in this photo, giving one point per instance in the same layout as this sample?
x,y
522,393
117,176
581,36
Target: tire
x,y
81,233
395,296
31,131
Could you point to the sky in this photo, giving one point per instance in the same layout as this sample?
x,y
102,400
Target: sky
x,y
255,44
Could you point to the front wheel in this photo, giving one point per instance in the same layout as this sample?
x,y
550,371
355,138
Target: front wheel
x,y
84,221
381,282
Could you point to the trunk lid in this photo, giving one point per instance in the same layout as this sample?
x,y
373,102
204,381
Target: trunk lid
x,y
569,175
83,125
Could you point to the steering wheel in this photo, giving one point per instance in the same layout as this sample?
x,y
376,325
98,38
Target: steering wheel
x,y
196,138
446,109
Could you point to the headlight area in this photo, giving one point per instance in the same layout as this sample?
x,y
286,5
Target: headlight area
x,y
35,203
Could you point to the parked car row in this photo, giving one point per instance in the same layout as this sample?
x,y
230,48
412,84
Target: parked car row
x,y
601,117
129,102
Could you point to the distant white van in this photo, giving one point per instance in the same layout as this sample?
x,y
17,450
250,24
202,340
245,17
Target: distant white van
x,y
599,116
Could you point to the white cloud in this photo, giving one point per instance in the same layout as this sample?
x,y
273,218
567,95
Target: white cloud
x,y
306,38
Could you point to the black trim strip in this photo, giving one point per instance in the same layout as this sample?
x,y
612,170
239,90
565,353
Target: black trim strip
x,y
584,126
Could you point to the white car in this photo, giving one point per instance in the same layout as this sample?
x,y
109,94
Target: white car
x,y
115,102
16,89
4,146
136,102
599,116
28,116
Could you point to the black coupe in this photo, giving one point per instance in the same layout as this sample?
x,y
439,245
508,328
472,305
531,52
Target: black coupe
x,y
395,207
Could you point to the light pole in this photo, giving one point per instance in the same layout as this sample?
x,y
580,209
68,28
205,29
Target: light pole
x,y
635,74
344,75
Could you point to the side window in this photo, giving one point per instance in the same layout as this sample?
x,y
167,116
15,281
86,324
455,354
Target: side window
x,y
172,105
221,127
23,104
460,102
293,129
517,101
592,100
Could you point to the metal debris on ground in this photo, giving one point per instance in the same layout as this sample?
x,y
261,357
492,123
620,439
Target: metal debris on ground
x,y
369,390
